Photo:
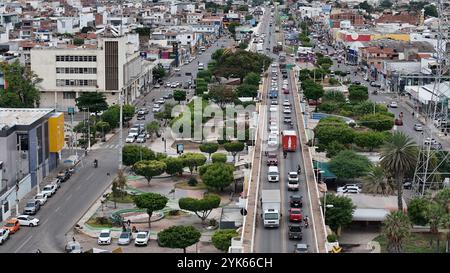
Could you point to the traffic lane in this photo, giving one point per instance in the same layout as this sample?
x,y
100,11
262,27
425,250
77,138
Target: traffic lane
x,y
294,160
62,211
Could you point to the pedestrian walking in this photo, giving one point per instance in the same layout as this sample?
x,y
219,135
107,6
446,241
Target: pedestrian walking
x,y
129,222
412,114
107,174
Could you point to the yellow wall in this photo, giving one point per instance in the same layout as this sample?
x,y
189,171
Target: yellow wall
x,y
56,132
393,36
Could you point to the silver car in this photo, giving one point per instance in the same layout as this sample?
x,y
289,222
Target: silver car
x,y
124,238
418,127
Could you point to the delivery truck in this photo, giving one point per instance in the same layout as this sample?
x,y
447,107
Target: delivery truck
x,y
289,141
271,206
259,48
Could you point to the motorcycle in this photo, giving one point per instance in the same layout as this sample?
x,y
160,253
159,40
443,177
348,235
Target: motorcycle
x,y
95,163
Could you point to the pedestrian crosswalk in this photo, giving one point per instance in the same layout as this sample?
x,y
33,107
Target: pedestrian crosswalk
x,y
112,146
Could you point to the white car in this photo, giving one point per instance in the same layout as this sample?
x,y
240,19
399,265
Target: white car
x,y
41,197
286,103
134,132
142,238
4,235
177,69
293,176
130,139
157,85
49,190
349,188
287,110
274,130
168,84
273,109
141,138
430,141
104,238
274,65
156,108
161,101
27,220
272,140
124,238
393,104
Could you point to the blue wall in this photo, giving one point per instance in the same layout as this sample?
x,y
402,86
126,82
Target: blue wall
x,y
32,148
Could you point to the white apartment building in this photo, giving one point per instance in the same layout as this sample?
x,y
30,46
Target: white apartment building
x,y
110,67
193,18
68,25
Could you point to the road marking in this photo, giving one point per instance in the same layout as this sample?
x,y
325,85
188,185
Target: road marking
x,y
69,196
46,220
89,177
57,209
26,241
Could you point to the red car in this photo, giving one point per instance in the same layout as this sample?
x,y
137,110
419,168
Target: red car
x,y
295,215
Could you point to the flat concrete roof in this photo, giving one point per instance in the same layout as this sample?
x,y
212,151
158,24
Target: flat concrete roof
x,y
21,116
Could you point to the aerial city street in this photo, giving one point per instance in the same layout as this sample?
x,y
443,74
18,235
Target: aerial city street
x,y
224,126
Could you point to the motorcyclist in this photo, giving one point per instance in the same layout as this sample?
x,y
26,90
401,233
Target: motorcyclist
x,y
306,221
299,169
95,163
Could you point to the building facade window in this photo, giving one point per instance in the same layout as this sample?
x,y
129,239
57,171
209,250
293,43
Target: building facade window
x,y
77,82
68,95
76,70
75,58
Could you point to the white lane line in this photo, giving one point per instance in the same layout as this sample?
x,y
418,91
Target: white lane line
x,y
24,243
69,196
89,177
46,220
57,209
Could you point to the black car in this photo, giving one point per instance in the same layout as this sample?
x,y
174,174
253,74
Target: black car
x,y
287,119
296,201
64,175
357,83
295,232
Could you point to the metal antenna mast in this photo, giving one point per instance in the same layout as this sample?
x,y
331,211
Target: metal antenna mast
x,y
428,174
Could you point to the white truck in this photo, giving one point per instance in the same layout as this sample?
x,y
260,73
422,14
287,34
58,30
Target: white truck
x,y
271,206
259,47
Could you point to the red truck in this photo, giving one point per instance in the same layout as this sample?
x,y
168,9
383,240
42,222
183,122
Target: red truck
x,y
289,141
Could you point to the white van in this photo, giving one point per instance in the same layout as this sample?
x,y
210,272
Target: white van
x,y
201,66
273,174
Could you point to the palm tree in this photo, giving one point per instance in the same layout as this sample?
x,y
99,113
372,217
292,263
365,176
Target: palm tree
x,y
376,181
396,228
398,157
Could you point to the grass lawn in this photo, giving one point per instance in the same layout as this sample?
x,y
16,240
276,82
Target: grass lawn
x,y
416,243
125,199
94,223
185,186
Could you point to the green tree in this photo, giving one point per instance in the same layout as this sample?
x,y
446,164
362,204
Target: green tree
x,y
149,168
348,165
179,95
152,128
179,237
252,78
399,157
234,148
357,93
115,192
205,74
238,64
151,202
217,55
94,101
334,148
103,126
143,31
21,90
174,165
335,96
193,160
431,11
121,182
219,158
417,210
158,72
78,41
304,75
87,29
232,28
201,207
312,90
243,45
221,239
376,181
366,6
386,4
247,90
341,214
378,121
369,139
396,228
328,107
209,148
218,175
327,133
221,95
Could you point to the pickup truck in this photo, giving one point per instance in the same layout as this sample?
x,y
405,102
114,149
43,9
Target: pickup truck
x,y
295,232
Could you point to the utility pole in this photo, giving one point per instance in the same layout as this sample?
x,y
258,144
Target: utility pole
x,y
120,129
89,129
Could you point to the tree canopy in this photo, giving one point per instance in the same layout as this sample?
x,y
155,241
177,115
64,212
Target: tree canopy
x,y
396,228
158,72
149,168
179,95
150,202
240,63
174,165
312,90
341,214
201,207
357,93
221,239
209,148
179,237
348,164
134,153
92,101
217,175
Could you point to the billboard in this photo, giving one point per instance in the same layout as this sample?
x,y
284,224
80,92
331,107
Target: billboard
x,y
56,132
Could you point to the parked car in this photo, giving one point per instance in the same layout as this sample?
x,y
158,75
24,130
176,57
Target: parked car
x,y
27,220
142,238
4,235
12,225
140,117
49,190
32,207
418,127
168,96
104,238
130,139
141,138
296,201
63,176
349,188
398,122
161,101
374,84
143,111
295,215
286,103
156,108
41,197
125,238
157,85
